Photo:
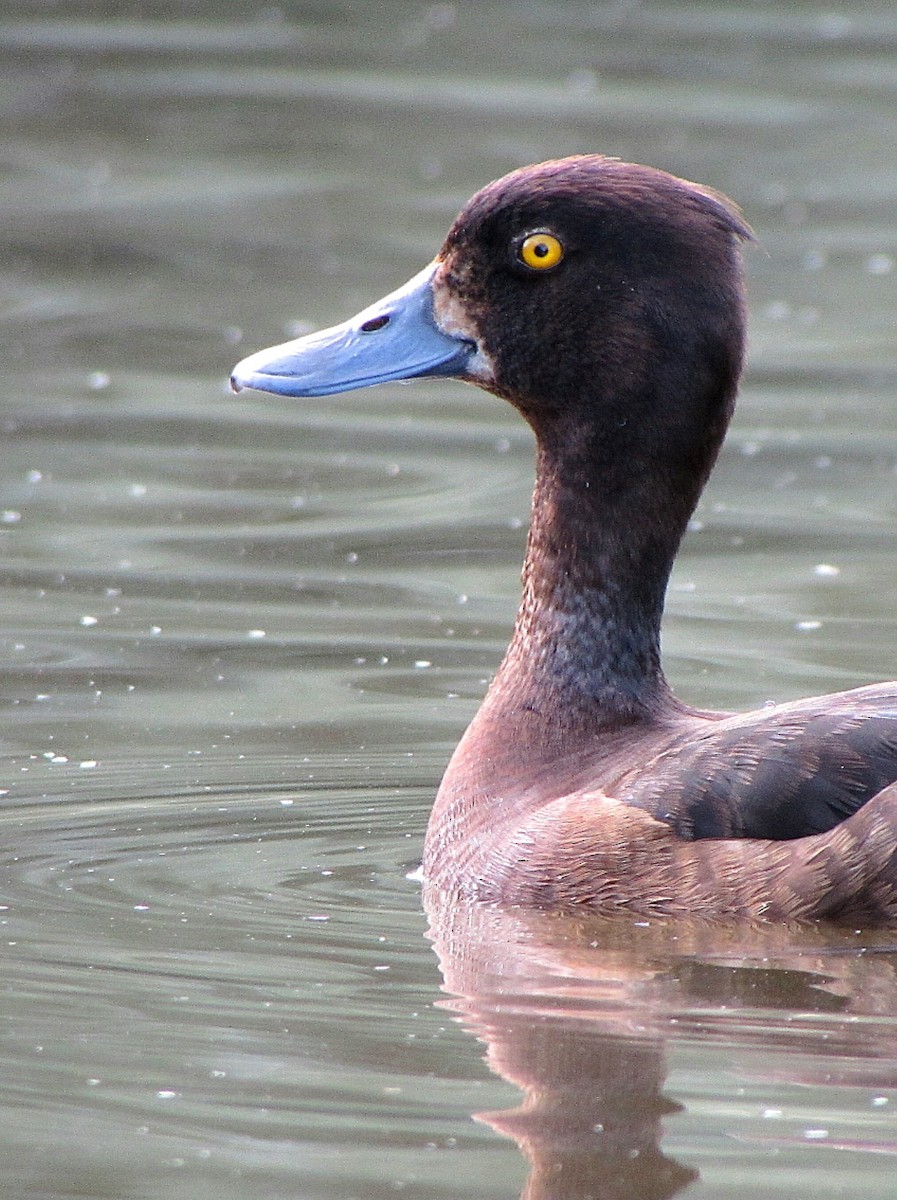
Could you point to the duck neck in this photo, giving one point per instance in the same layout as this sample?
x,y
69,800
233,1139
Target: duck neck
x,y
605,530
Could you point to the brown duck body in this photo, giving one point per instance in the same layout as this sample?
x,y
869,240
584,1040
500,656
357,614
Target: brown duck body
x,y
604,301
623,827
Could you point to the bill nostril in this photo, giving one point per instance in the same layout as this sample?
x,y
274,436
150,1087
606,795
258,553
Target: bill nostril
x,y
375,323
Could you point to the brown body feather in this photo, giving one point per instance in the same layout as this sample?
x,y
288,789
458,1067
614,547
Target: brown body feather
x,y
587,851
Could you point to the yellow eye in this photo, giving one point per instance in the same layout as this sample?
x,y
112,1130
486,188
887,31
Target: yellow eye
x,y
541,251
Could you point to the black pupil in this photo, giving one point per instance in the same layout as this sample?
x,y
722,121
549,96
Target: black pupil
x,y
540,250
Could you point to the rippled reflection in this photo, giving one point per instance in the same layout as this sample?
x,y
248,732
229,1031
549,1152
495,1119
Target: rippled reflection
x,y
579,1015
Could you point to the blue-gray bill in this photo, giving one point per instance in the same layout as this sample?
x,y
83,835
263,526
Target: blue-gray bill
x,y
395,338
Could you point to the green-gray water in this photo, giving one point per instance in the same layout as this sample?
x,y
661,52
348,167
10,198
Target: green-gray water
x,y
240,635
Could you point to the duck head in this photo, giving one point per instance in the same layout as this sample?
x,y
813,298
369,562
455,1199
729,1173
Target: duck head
x,y
604,300
578,283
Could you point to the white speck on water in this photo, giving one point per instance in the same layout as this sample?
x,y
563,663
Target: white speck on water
x,y
808,626
286,803
834,26
430,168
815,1135
771,1114
87,765
88,621
826,570
296,329
256,634
137,490
10,516
582,82
421,664
166,1094
34,476
879,264
98,381
879,1101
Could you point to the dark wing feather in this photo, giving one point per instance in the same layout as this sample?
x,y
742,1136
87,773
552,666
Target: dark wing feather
x,y
779,773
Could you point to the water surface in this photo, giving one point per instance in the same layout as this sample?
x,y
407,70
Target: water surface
x,y
241,635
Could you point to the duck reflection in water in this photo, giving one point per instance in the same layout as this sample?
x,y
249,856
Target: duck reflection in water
x,y
578,1013
604,301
